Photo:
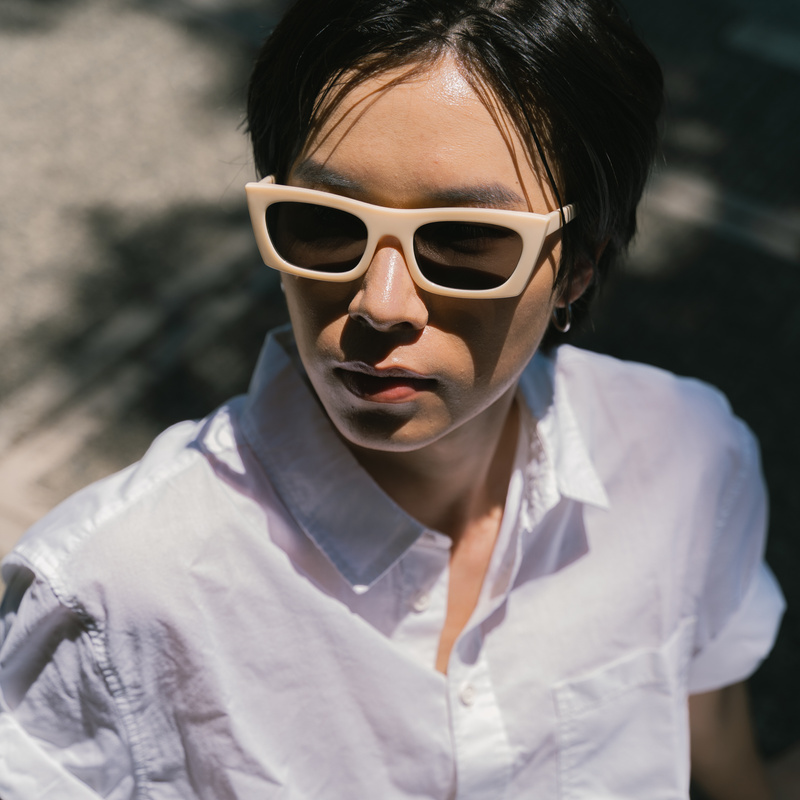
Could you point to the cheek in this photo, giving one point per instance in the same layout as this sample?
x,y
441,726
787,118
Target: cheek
x,y
318,310
509,336
531,317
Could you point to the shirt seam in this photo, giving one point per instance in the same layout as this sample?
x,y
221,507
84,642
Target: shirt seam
x,y
127,716
95,635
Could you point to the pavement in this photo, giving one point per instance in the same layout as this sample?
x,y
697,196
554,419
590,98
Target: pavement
x,y
123,237
132,295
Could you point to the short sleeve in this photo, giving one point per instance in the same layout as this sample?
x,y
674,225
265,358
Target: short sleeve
x,y
60,733
744,641
740,605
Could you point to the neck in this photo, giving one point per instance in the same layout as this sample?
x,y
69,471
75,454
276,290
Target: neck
x,y
460,480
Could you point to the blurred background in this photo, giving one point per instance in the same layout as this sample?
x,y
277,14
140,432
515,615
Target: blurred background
x,y
132,295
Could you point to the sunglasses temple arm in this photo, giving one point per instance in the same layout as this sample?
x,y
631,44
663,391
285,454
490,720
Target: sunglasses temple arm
x,y
555,218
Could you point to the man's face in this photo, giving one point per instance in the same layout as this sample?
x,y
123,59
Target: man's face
x,y
397,368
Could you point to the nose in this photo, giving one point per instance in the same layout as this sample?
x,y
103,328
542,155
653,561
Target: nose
x,y
388,298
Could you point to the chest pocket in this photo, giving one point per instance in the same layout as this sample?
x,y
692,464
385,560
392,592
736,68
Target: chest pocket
x,y
623,729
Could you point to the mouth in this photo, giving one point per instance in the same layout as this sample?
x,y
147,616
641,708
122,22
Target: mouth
x,y
391,385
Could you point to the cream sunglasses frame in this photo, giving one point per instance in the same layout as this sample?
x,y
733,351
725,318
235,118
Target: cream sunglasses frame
x,y
402,223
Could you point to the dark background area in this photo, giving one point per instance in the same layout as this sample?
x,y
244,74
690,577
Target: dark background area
x,y
711,290
133,296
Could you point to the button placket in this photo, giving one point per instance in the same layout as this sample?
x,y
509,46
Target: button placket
x,y
483,753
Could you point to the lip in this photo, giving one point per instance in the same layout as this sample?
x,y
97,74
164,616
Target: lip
x,y
389,385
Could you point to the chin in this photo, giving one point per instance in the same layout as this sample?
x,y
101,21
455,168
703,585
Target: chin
x,y
386,432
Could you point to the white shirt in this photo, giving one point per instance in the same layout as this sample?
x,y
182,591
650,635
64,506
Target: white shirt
x,y
244,614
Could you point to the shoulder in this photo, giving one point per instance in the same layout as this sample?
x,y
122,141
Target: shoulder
x,y
682,472
655,435
642,403
635,385
127,529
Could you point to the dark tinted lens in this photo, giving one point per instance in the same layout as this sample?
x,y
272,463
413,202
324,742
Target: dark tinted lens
x,y
463,255
316,237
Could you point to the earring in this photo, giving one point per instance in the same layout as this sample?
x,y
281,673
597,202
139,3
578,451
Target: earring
x,y
562,318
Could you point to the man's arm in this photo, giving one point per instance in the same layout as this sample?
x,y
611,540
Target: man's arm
x,y
725,760
51,691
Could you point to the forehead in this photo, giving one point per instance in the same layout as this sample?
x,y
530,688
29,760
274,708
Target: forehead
x,y
423,125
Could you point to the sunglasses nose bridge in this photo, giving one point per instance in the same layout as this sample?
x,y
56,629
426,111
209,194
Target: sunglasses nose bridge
x,y
388,228
388,252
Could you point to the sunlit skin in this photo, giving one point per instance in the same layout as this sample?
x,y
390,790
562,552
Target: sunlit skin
x,y
439,429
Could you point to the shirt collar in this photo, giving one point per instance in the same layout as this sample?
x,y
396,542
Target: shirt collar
x,y
547,396
336,503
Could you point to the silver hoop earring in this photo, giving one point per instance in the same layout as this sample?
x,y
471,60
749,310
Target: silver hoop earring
x,y
562,318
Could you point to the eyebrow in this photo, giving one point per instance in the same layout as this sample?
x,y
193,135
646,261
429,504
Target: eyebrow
x,y
483,195
316,174
489,195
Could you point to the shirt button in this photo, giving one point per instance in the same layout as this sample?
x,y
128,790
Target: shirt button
x,y
422,602
466,694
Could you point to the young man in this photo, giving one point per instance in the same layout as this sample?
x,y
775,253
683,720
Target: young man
x,y
422,558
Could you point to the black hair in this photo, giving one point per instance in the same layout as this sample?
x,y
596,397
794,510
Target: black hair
x,y
580,86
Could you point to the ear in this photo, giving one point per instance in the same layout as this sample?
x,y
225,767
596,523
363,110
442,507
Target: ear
x,y
581,278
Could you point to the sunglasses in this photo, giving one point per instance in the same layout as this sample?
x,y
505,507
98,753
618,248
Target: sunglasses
x,y
456,252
